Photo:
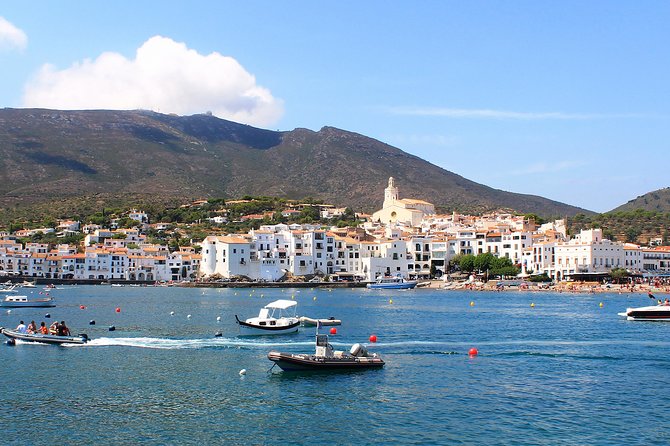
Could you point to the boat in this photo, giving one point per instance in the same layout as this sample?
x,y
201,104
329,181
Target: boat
x,y
23,301
392,283
273,319
44,338
9,289
651,313
327,359
27,284
311,322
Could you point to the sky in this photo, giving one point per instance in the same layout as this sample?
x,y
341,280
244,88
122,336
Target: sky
x,y
567,100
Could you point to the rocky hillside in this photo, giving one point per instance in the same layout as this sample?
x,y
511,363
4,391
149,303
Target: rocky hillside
x,y
49,157
656,201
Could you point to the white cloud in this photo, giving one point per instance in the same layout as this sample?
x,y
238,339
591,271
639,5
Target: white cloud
x,y
501,114
165,76
11,37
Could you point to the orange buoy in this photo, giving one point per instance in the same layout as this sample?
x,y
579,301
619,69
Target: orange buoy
x,y
473,352
373,338
333,331
82,307
118,310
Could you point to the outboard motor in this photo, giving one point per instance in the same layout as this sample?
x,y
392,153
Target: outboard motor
x,y
358,350
84,336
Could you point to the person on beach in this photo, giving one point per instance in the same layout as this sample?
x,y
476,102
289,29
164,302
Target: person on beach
x,y
21,328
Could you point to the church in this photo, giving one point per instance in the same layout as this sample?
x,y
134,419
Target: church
x,y
405,212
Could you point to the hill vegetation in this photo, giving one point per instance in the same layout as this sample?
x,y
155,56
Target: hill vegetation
x,y
55,163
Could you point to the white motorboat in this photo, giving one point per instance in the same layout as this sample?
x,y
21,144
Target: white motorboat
x,y
9,289
651,313
311,322
275,318
12,301
392,283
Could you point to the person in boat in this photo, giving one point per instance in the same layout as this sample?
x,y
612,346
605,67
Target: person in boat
x,y
63,330
667,302
32,328
53,328
21,328
43,328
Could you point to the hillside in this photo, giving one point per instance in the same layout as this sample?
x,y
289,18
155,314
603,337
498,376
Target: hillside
x,y
60,159
656,201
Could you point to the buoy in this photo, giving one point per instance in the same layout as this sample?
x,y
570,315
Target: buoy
x,y
218,334
82,307
601,304
9,311
218,319
532,305
91,322
473,352
112,328
47,316
118,310
390,301
333,331
243,372
472,303
314,298
188,316
171,313
373,338
261,295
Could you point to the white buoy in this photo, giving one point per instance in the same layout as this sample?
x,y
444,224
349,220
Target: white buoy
x,y
218,319
243,372
188,316
171,313
9,311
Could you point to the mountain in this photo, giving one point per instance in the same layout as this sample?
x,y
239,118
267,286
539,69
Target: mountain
x,y
51,157
656,201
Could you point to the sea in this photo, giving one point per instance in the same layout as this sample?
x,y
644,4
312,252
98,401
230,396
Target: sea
x,y
550,369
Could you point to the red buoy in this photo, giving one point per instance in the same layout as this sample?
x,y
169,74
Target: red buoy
x,y
82,307
473,352
118,310
333,331
373,338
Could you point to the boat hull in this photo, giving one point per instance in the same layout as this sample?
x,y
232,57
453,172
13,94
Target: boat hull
x,y
392,286
45,339
247,329
300,362
29,304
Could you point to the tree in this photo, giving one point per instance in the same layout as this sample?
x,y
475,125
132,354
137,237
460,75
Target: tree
x,y
619,275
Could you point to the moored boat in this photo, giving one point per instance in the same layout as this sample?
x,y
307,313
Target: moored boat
x,y
392,283
311,322
12,301
44,338
327,359
273,319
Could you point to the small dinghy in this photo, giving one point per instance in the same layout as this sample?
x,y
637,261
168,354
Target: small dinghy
x,y
44,338
310,322
327,359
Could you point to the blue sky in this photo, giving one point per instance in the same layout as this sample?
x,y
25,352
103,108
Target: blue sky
x,y
568,100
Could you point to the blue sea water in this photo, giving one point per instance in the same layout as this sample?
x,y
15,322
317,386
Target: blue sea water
x,y
567,371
